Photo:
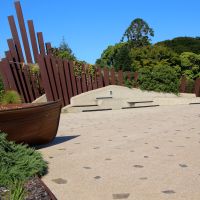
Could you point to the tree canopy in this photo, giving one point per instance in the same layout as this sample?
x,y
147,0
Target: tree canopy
x,y
183,44
116,56
63,51
152,56
138,33
190,64
181,53
160,78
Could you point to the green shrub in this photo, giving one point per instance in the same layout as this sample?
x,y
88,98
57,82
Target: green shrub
x,y
34,68
159,79
128,83
18,163
190,65
11,97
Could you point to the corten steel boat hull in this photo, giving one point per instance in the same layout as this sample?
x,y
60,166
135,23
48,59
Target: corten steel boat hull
x,y
32,124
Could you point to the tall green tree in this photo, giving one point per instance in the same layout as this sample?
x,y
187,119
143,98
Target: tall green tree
x,y
63,51
116,56
138,34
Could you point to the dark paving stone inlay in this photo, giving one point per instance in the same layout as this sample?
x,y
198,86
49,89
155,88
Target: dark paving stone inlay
x,y
138,166
183,165
87,167
143,178
108,159
146,156
62,149
59,181
97,177
168,191
121,196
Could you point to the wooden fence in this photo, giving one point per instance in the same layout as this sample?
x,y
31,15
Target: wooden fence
x,y
188,87
60,81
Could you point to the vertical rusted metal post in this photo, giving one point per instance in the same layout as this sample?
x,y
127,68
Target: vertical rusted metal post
x,y
99,78
113,79
120,78
45,78
41,43
23,31
183,84
15,36
106,76
33,39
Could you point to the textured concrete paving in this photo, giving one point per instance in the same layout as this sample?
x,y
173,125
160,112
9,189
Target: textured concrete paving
x,y
138,154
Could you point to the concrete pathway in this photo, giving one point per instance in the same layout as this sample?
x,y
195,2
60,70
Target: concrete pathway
x,y
137,154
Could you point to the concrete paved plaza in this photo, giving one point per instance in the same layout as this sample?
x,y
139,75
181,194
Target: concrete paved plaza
x,y
135,154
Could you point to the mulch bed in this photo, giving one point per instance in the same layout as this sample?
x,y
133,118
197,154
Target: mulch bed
x,y
35,190
4,193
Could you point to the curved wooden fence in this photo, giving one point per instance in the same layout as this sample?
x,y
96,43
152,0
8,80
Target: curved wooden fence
x,y
60,81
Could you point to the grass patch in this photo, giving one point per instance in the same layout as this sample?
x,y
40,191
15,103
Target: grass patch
x,y
10,97
18,163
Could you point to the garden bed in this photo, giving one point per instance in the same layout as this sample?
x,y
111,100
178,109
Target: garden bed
x,y
20,167
34,189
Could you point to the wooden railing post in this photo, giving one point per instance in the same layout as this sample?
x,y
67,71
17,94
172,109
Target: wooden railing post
x,y
120,78
197,87
183,83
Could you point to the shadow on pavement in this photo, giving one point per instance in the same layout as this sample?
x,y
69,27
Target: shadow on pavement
x,y
56,141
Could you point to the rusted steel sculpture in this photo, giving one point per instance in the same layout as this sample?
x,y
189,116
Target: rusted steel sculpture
x,y
15,68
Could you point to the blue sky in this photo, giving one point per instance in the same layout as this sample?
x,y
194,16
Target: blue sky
x,y
89,26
